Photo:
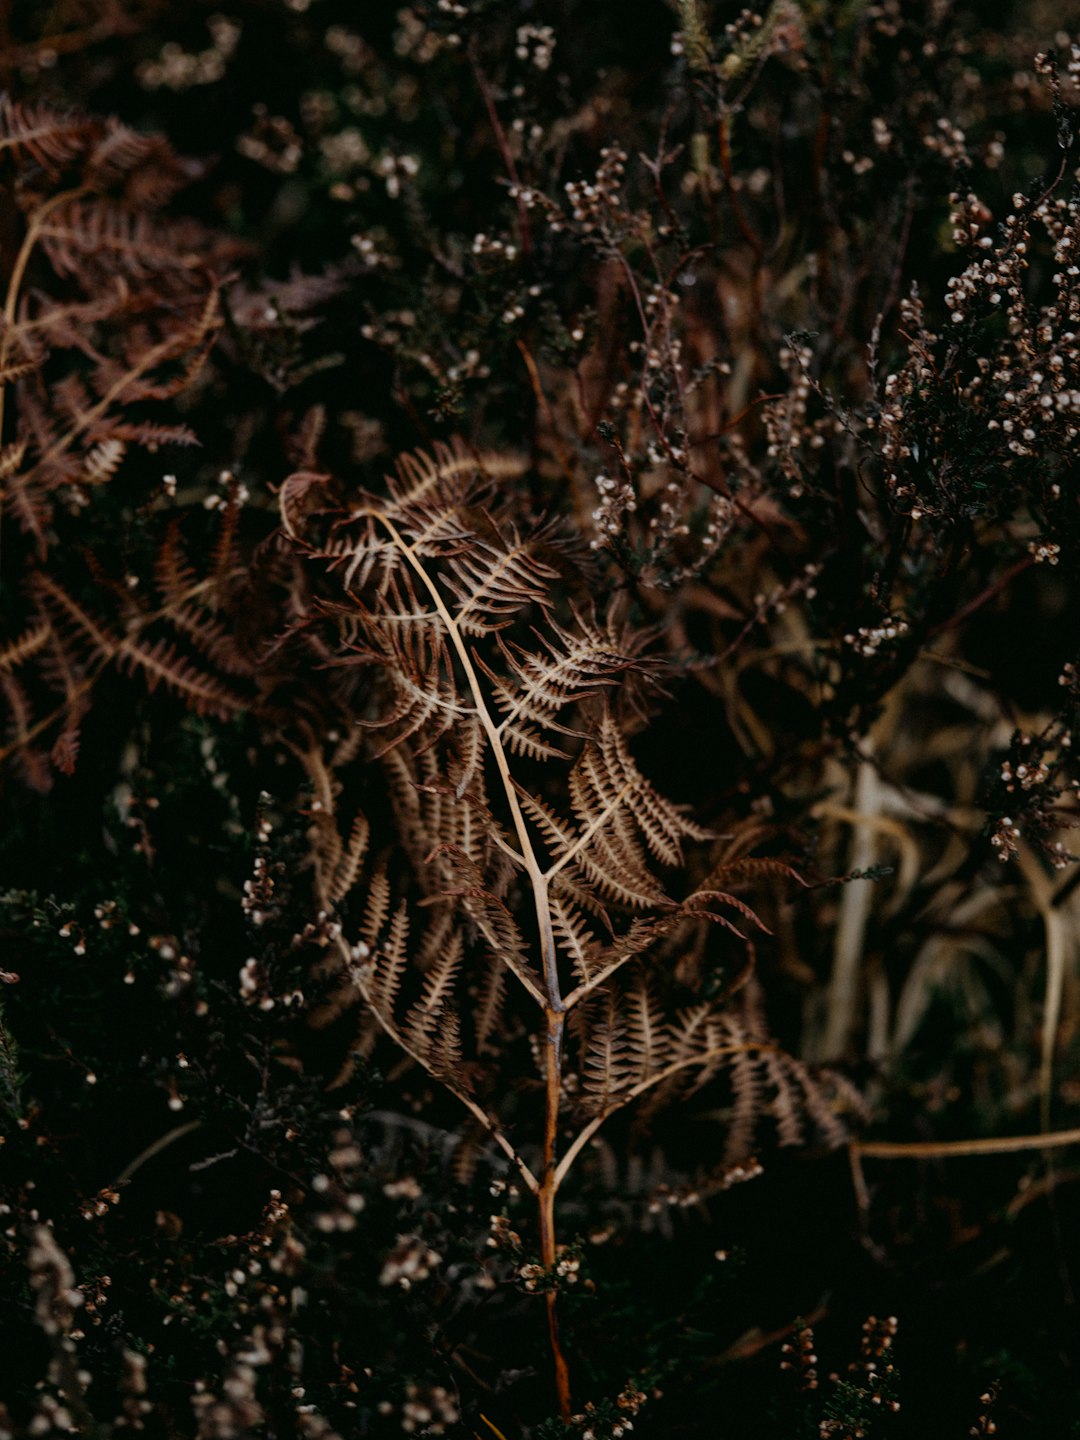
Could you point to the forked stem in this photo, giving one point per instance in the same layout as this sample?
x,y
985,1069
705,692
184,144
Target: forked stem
x,y
554,1007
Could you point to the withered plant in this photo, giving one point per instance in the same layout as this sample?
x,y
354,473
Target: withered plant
x,y
781,308
111,308
533,908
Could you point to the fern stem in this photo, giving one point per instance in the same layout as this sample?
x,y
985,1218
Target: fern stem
x,y
553,996
549,1186
552,1000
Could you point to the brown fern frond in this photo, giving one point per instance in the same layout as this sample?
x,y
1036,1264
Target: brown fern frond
x,y
162,664
95,231
603,853
431,1025
15,367
608,1066
459,642
297,498
16,652
608,772
409,648
467,1152
62,674
491,917
492,583
11,458
748,867
361,557
102,460
32,510
347,871
437,526
747,1106
376,909
304,445
817,1104
648,1037
174,573
574,936
152,436
488,1006
701,902
49,138
452,471
71,617
787,1111
390,955
570,667
33,762
144,166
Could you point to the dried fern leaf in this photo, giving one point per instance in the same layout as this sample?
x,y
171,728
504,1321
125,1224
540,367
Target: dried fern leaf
x,y
29,643
607,1069
49,138
491,584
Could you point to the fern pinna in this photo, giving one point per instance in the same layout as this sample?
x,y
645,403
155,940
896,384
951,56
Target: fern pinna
x,y
535,904
111,306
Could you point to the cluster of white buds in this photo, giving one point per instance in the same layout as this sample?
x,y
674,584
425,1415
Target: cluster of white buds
x,y
344,151
395,170
258,892
415,40
272,142
106,914
432,1410
1004,839
594,204
799,1355
738,1174
491,247
1044,552
410,1261
99,1204
179,69
948,141
617,499
370,248
869,639
503,1236
883,136
530,1275
1024,775
536,44
567,1268
253,985
407,1188
351,50
786,425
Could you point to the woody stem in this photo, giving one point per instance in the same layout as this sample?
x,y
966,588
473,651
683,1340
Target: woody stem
x,y
549,1182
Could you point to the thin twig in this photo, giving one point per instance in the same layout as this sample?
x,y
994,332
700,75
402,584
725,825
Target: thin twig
x,y
943,1149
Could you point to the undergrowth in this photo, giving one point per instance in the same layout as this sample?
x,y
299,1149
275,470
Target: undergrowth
x,y
537,892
